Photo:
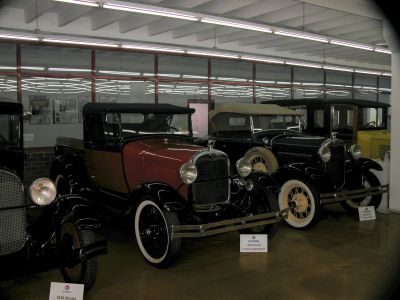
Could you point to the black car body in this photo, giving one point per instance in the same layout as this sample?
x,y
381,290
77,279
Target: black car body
x,y
311,170
36,226
354,121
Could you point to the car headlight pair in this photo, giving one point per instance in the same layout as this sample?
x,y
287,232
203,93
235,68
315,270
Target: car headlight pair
x,y
43,191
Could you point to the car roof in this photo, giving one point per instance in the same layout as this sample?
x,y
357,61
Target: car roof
x,y
253,109
10,108
136,108
358,102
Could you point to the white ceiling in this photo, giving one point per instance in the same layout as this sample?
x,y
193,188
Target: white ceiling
x,y
355,20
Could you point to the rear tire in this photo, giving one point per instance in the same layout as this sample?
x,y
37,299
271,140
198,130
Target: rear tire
x,y
153,233
262,159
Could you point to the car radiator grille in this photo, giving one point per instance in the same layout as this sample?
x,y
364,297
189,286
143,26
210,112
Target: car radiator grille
x,y
12,220
335,168
212,183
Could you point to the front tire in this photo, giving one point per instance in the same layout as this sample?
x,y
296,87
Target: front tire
x,y
302,199
71,238
153,233
368,180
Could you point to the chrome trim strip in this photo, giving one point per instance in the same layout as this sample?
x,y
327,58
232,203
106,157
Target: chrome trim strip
x,y
354,194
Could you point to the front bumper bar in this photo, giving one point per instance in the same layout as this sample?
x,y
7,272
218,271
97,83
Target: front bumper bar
x,y
353,194
203,230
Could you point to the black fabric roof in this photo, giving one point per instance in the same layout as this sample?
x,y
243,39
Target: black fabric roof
x,y
10,108
360,103
135,108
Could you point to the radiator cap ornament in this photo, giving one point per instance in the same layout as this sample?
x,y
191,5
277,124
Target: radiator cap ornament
x,y
210,144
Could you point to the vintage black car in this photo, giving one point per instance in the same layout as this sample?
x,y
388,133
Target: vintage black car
x,y
311,170
139,161
354,121
36,225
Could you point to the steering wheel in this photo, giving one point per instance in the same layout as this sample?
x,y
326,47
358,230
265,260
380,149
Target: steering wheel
x,y
369,124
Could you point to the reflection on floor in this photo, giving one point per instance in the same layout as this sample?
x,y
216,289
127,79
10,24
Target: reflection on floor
x,y
340,258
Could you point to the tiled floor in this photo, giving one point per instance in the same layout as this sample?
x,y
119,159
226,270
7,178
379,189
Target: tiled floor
x,y
340,258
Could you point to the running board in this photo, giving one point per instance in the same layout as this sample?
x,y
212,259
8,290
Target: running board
x,y
354,194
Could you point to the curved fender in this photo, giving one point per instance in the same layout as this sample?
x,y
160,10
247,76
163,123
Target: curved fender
x,y
71,164
367,164
165,196
294,170
265,181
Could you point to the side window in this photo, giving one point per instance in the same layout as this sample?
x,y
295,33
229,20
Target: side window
x,y
101,130
319,118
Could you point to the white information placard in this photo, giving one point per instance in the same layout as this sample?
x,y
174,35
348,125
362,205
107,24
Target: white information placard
x,y
254,243
366,213
66,291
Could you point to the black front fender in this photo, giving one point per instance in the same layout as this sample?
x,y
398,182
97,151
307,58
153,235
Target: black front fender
x,y
367,164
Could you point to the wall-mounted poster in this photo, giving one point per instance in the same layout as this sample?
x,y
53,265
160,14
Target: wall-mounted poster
x,y
40,108
82,100
64,111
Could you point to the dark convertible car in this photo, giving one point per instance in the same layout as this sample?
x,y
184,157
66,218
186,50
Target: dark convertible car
x,y
311,170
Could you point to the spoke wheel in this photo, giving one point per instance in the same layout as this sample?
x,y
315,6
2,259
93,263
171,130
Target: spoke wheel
x,y
302,200
368,180
69,239
153,233
262,159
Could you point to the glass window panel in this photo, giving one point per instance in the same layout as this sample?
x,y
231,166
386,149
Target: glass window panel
x,y
178,93
223,93
52,59
7,57
266,73
319,118
8,89
307,76
231,70
365,87
272,93
132,91
307,92
118,63
55,104
183,67
364,80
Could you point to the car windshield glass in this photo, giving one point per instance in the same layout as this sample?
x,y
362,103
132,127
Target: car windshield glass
x,y
371,117
343,119
9,130
261,123
151,123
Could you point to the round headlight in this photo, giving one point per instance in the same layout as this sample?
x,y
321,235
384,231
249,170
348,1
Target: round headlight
x,y
188,172
43,191
355,151
243,167
325,153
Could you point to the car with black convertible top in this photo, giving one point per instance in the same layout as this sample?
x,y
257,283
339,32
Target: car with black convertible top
x,y
139,161
311,170
37,226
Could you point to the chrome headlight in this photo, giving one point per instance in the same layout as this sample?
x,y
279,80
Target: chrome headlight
x,y
43,191
325,153
188,172
355,151
243,167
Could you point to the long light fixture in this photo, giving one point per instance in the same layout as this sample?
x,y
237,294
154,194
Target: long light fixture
x,y
336,68
241,25
93,3
352,45
362,71
382,50
303,64
80,42
150,10
262,59
69,70
301,35
153,48
212,53
18,37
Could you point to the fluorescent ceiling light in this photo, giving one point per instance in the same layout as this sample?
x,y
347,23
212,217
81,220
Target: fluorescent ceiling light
x,y
80,42
241,25
150,10
367,72
387,74
261,59
169,75
194,76
216,54
18,37
301,64
69,70
119,73
33,68
153,48
353,45
93,3
383,50
301,35
7,68
337,68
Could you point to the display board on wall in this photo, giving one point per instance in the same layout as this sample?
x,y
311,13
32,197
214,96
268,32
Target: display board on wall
x,y
64,111
40,107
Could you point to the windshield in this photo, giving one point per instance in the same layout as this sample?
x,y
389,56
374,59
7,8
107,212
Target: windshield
x,y
261,123
133,124
9,130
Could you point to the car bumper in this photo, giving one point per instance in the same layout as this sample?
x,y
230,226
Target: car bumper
x,y
209,229
353,194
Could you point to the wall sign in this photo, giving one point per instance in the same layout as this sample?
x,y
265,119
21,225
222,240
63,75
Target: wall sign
x,y
254,243
366,213
66,291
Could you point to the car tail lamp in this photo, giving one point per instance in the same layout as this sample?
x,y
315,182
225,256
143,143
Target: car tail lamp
x,y
43,191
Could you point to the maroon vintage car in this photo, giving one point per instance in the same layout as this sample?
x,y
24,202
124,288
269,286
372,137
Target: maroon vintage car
x,y
139,160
